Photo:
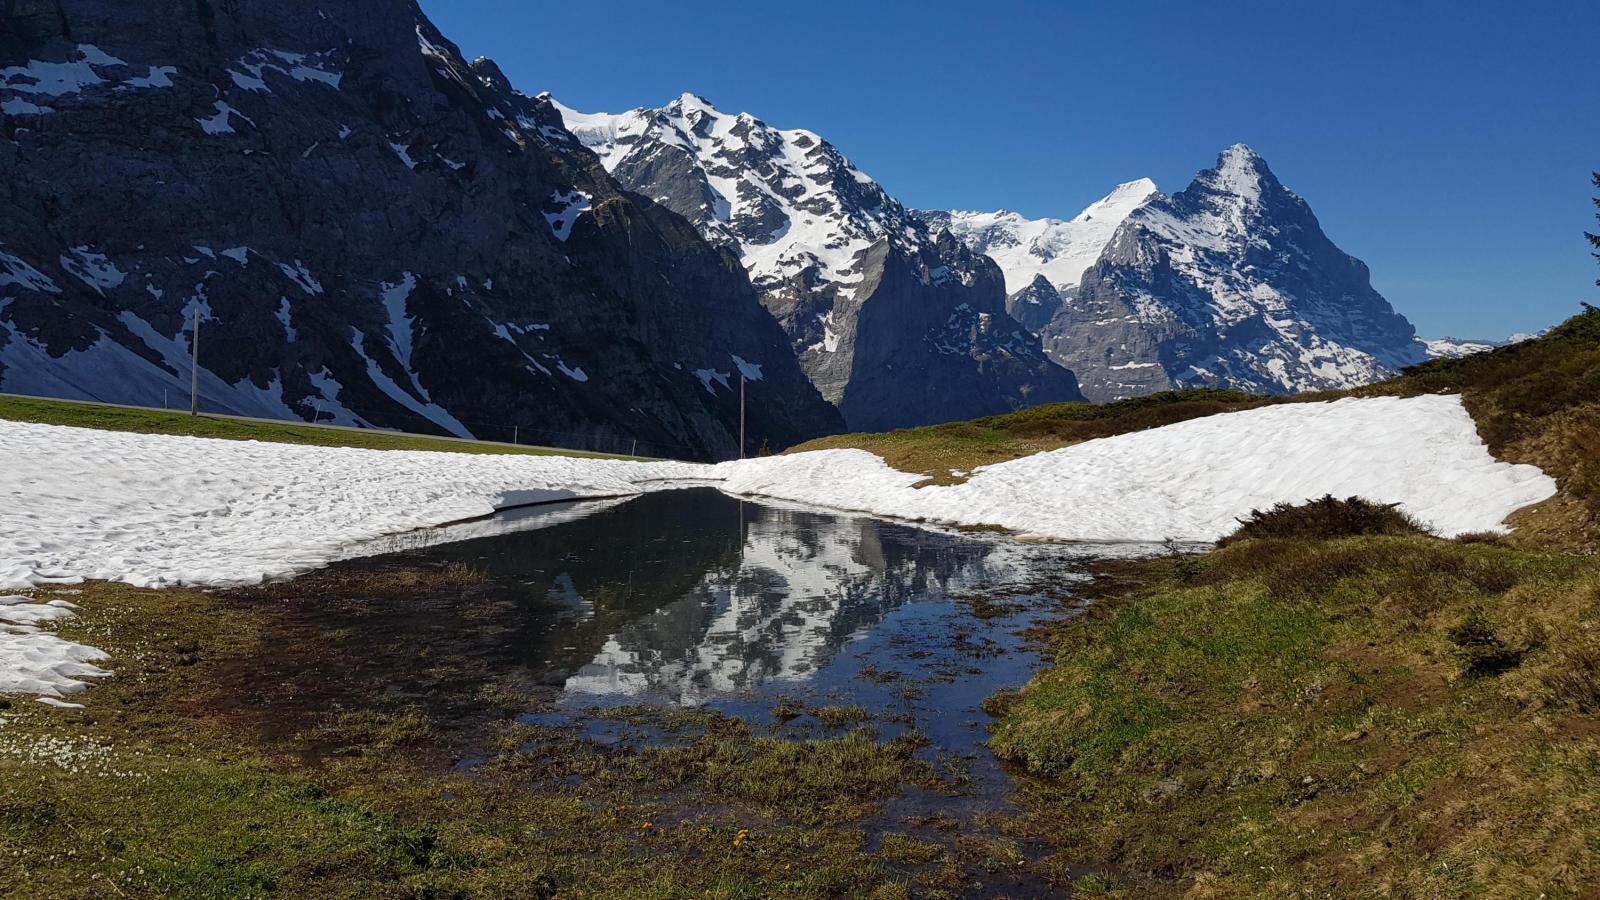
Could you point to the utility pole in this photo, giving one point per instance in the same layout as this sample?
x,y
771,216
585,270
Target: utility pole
x,y
741,412
194,366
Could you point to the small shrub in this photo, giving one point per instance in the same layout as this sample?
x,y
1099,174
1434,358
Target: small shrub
x,y
1480,650
1323,518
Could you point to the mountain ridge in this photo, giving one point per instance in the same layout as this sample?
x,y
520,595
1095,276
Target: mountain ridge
x,y
371,229
895,325
1230,283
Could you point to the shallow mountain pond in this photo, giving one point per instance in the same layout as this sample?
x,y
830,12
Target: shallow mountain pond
x,y
627,626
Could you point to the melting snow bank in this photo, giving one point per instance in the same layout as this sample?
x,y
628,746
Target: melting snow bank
x,y
1192,480
155,510
34,661
158,510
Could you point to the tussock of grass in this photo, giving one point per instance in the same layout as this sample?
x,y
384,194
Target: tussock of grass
x,y
836,716
820,780
373,731
408,579
1373,710
1325,517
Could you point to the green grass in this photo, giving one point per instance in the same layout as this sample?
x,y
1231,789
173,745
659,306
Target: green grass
x,y
204,829
158,421
1291,712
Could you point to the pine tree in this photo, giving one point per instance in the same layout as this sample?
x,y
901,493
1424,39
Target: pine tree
x,y
1594,239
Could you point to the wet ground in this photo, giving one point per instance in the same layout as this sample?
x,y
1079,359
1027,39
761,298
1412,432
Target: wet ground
x,y
585,620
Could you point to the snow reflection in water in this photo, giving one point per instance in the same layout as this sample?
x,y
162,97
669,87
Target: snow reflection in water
x,y
799,586
693,597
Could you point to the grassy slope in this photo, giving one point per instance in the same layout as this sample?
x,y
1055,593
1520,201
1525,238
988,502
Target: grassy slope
x,y
158,421
1286,714
1359,716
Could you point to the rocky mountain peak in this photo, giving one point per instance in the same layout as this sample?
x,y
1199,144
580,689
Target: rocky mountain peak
x,y
1242,173
1231,282
1058,250
488,71
872,301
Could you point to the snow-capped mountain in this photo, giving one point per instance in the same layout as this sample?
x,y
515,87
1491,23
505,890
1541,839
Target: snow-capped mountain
x,y
371,229
1055,250
1455,348
1229,283
895,325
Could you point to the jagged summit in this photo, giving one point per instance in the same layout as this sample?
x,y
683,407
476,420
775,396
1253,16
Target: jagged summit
x,y
1229,282
832,254
1240,172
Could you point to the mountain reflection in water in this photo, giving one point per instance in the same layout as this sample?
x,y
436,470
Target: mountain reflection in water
x,y
688,596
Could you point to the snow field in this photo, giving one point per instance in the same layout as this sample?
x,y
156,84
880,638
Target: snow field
x,y
1192,480
157,511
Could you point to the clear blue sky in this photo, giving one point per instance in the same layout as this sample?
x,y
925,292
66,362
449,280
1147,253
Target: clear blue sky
x,y
1448,145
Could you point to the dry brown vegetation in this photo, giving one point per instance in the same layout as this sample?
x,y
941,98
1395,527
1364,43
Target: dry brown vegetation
x,y
1359,716
1326,517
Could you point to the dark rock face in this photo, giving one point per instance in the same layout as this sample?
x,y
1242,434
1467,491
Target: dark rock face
x,y
1037,304
372,231
1230,283
895,326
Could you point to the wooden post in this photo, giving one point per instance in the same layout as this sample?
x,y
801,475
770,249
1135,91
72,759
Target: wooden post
x,y
515,431
194,366
741,412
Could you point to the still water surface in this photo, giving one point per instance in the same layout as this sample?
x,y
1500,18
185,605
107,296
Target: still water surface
x,y
693,598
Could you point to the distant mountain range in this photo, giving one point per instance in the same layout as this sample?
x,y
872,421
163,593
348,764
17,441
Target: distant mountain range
x,y
1228,283
373,230
896,324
